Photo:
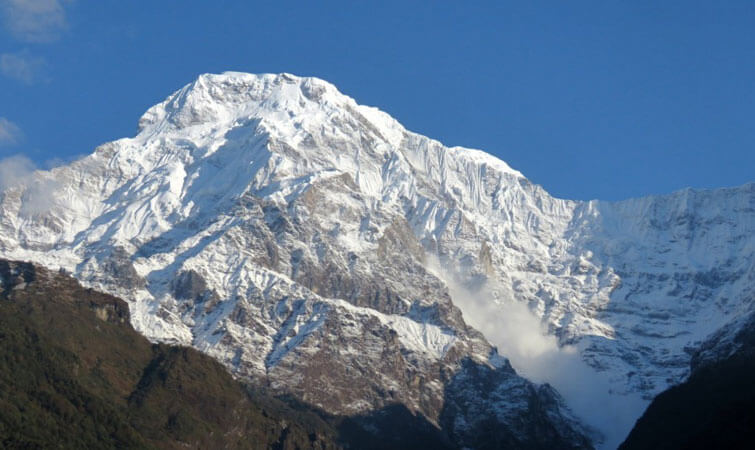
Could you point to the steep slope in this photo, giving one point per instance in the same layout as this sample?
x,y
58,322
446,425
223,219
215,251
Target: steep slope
x,y
74,374
273,223
682,270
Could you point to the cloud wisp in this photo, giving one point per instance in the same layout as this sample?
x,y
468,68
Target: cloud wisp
x,y
521,337
37,21
36,192
22,67
10,133
14,170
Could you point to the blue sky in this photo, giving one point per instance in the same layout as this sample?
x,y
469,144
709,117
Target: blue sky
x,y
603,99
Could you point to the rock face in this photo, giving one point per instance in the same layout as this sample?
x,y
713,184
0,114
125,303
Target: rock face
x,y
472,411
275,224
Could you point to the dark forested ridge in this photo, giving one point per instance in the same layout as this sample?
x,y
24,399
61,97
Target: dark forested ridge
x,y
74,374
713,409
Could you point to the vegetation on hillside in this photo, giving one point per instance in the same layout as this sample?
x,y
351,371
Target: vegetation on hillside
x,y
74,374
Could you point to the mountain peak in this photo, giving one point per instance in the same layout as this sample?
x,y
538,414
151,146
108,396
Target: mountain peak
x,y
231,95
274,223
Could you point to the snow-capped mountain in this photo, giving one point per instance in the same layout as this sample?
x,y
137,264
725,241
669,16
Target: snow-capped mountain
x,y
315,245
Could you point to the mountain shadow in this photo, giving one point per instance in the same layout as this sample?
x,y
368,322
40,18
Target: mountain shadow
x,y
714,408
392,427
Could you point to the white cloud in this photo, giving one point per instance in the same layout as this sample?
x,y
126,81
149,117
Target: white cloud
x,y
34,20
10,133
36,189
21,66
15,170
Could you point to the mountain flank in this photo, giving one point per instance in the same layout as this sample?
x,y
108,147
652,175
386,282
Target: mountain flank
x,y
74,374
